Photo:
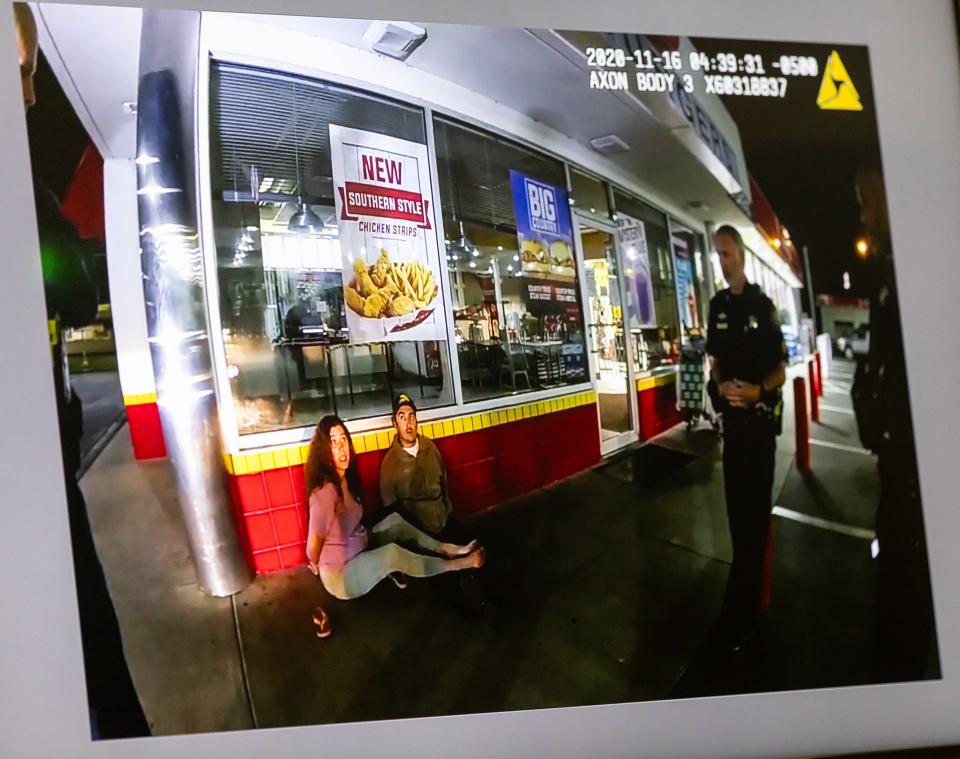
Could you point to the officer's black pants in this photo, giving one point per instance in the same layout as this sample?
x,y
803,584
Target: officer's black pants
x,y
748,462
905,646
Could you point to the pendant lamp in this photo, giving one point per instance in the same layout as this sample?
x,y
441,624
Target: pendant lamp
x,y
304,220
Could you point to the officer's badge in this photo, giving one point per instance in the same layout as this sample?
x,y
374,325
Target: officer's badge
x,y
753,323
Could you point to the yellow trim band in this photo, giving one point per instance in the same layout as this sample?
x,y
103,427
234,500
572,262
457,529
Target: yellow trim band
x,y
255,462
648,383
139,400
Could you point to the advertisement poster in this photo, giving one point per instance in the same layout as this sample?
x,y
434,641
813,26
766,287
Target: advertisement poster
x,y
391,269
686,294
543,226
636,257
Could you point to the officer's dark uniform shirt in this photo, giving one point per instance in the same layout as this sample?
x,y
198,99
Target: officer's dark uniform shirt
x,y
743,334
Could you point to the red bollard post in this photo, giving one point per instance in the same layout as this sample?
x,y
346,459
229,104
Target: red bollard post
x,y
802,425
814,401
819,374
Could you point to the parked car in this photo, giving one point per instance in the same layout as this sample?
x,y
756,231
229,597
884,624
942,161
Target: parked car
x,y
856,344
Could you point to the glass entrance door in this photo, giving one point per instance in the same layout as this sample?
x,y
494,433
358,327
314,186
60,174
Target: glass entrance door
x,y
609,352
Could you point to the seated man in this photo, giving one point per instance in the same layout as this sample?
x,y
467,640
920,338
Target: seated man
x,y
413,482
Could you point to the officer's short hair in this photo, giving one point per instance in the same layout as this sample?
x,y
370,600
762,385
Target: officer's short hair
x,y
731,232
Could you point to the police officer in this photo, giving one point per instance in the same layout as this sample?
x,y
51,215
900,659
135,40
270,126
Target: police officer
x,y
748,368
71,293
905,645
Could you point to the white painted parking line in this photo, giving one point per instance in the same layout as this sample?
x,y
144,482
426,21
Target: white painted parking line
x,y
824,524
836,387
836,409
828,391
841,447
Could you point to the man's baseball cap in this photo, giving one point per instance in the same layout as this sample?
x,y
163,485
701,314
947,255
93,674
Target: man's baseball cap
x,y
402,399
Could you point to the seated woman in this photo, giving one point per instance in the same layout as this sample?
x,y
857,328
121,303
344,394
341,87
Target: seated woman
x,y
349,560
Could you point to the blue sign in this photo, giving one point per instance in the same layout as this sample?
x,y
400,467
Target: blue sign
x,y
544,228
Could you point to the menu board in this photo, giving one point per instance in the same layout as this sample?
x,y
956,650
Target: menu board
x,y
390,260
544,229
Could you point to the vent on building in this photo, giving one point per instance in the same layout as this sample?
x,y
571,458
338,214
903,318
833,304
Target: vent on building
x,y
609,144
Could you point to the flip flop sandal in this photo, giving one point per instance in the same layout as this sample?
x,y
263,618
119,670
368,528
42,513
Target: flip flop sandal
x,y
321,623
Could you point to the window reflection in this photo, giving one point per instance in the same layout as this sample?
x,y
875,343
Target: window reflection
x,y
516,307
288,356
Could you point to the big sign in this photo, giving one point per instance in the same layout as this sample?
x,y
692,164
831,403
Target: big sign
x,y
543,226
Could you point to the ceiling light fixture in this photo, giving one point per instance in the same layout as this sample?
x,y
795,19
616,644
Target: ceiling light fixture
x,y
304,220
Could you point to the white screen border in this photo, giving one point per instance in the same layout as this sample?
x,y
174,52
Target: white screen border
x,y
916,77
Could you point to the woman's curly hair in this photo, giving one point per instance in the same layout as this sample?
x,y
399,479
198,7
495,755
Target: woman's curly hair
x,y
320,469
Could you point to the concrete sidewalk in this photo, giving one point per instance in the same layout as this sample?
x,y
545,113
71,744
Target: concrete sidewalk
x,y
614,578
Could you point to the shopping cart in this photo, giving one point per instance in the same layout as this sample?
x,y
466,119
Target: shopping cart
x,y
691,376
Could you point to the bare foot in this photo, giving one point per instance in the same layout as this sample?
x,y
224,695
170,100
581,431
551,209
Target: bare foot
x,y
474,561
453,551
477,559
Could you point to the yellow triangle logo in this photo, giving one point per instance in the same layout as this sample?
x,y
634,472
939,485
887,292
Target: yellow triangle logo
x,y
837,92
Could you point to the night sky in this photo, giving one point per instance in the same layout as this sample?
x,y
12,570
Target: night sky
x,y
805,158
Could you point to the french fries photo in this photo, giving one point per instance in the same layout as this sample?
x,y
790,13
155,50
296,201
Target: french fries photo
x,y
387,289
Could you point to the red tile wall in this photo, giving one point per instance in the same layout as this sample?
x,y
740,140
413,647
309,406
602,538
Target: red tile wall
x,y
485,468
146,434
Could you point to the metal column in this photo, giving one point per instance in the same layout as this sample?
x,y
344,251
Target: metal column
x,y
172,264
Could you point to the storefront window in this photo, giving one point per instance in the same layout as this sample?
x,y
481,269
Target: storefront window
x,y
649,275
517,314
290,354
589,194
